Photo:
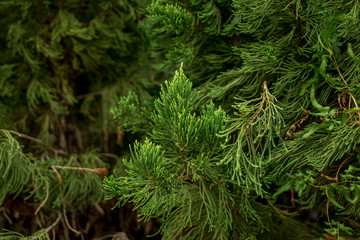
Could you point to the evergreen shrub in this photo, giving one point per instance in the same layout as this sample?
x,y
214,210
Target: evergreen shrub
x,y
279,159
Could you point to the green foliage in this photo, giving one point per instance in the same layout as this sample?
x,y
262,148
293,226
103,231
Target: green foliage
x,y
292,69
258,123
183,173
166,172
261,144
19,171
14,166
9,235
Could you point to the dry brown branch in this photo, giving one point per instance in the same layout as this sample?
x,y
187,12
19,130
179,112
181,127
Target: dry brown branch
x,y
5,211
51,226
292,200
282,213
58,176
38,141
215,184
67,222
342,78
338,171
327,208
336,178
102,172
46,198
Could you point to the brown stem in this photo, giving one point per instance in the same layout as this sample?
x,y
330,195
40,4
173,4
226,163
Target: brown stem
x,y
67,222
99,171
341,76
38,141
261,107
215,184
298,20
282,213
58,176
46,198
337,173
336,178
275,208
38,11
46,230
183,159
107,11
292,200
327,208
5,211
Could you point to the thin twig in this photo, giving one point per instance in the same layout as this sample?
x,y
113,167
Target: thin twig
x,y
38,141
282,213
336,178
67,222
337,173
107,11
298,20
292,200
183,159
3,209
58,176
217,183
327,208
91,94
275,208
99,171
261,107
46,198
104,92
109,155
38,11
46,230
341,76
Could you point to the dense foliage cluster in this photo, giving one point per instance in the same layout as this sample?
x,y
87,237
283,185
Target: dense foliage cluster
x,y
284,149
254,137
